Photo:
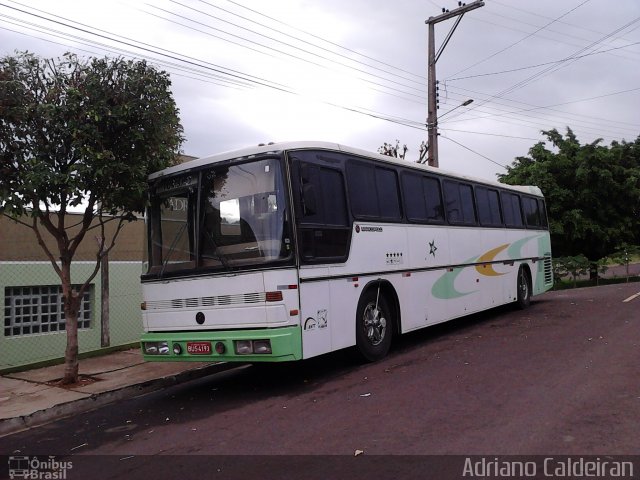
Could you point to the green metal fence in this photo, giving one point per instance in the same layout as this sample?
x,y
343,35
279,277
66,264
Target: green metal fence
x,y
33,323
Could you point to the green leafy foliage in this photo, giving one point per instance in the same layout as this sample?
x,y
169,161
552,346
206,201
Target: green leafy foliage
x,y
624,255
83,134
74,131
592,192
575,266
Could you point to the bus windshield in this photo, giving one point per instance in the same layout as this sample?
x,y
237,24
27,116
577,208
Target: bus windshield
x,y
223,217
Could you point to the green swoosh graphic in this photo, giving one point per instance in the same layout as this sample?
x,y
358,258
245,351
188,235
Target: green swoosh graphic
x,y
444,287
516,247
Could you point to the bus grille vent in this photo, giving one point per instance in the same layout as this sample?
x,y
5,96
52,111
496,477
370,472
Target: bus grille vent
x,y
195,302
548,271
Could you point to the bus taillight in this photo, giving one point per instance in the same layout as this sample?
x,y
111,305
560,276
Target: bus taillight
x,y
274,296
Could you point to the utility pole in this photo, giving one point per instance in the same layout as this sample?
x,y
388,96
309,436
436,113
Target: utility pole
x,y
432,118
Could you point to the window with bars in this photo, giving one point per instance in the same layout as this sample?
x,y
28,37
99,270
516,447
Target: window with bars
x,y
39,309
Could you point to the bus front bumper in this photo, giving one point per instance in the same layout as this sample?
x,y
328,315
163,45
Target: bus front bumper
x,y
259,345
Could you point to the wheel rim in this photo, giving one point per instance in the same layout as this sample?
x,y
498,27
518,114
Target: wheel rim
x,y
524,285
374,324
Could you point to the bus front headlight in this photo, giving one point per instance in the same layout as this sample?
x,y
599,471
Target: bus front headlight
x,y
243,347
262,346
156,348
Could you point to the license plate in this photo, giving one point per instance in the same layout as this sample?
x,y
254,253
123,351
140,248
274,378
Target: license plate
x,y
199,348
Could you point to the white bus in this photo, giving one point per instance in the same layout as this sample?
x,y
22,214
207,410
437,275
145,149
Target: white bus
x,y
287,251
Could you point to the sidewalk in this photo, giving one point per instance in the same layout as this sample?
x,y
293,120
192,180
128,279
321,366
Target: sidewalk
x,y
27,399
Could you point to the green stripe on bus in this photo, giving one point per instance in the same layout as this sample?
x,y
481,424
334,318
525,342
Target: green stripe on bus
x,y
286,345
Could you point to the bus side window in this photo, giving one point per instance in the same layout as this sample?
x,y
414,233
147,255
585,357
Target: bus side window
x,y
422,198
373,192
433,196
533,213
459,203
512,210
488,207
323,221
543,214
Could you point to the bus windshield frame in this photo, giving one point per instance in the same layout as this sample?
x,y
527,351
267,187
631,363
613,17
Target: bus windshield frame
x,y
227,216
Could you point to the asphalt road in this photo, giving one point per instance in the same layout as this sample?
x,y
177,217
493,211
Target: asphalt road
x,y
560,378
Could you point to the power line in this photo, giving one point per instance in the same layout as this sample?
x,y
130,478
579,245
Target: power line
x,y
522,39
599,121
529,12
554,40
542,64
397,120
556,32
377,115
241,79
531,107
556,67
296,57
127,41
160,51
293,27
421,77
112,49
313,54
284,89
488,134
515,120
538,125
477,153
374,89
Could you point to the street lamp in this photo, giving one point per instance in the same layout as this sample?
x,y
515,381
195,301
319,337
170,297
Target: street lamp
x,y
463,104
432,129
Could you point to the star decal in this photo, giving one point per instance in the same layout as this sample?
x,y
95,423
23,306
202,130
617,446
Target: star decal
x,y
432,248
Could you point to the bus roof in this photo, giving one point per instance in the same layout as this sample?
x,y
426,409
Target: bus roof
x,y
280,147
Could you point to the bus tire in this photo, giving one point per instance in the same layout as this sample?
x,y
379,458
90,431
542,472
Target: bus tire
x,y
374,329
523,288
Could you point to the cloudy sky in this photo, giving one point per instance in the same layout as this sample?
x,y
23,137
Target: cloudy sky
x,y
354,71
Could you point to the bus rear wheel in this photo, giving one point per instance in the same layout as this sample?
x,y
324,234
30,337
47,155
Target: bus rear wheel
x,y
374,326
524,289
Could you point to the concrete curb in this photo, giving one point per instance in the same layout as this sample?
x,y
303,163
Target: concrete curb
x,y
9,426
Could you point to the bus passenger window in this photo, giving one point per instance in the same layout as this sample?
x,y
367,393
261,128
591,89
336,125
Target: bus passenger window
x,y
373,192
422,198
511,209
531,212
459,202
488,207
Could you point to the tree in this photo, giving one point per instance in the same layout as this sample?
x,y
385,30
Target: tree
x,y
575,266
81,134
592,192
623,256
392,150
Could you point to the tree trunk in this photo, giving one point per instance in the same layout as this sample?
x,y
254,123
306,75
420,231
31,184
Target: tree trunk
x,y
627,269
593,273
104,311
71,301
71,307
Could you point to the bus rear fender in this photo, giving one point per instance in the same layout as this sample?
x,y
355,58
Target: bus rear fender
x,y
527,269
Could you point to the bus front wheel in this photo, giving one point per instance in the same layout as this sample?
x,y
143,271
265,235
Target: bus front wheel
x,y
524,288
374,326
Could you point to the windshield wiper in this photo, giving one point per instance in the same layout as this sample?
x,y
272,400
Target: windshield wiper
x,y
216,250
172,248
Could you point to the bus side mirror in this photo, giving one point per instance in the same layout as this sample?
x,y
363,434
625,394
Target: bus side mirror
x,y
309,199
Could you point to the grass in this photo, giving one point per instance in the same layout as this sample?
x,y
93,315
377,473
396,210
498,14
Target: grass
x,y
632,259
569,284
